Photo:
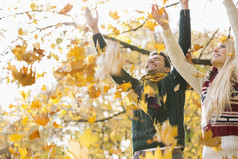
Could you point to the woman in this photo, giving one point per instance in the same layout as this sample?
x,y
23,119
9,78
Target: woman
x,y
219,88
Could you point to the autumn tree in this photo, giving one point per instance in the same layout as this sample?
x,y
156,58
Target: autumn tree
x,y
62,109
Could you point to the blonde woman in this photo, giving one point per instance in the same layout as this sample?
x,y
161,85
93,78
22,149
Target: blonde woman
x,y
218,89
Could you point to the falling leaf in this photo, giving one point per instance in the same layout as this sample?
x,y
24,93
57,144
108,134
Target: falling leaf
x,y
166,133
223,39
106,88
66,9
208,140
23,152
103,26
143,105
55,125
197,47
92,118
24,121
87,138
164,98
176,88
77,52
20,31
141,12
150,91
164,1
132,68
15,137
34,135
33,6
42,119
93,92
59,40
124,87
35,104
43,88
150,24
159,47
199,75
75,151
25,76
114,15
117,94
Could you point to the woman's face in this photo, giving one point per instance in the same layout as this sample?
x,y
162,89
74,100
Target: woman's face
x,y
219,55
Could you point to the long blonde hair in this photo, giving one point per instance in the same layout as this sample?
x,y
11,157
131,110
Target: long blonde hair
x,y
219,92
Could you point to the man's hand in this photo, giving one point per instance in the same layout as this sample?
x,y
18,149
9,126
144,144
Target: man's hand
x,y
92,21
161,19
184,4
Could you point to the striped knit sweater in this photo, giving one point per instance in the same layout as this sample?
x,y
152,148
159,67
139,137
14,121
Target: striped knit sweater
x,y
227,123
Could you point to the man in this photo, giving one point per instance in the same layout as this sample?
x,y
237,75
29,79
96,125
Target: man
x,y
159,77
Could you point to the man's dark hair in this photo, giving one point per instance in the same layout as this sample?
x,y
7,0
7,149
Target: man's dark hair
x,y
166,58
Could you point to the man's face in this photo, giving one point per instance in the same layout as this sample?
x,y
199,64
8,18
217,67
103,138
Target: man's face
x,y
156,64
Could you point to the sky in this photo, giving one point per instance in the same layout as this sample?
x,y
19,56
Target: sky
x,y
206,15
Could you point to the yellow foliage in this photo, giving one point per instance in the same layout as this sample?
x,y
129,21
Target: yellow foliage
x,y
25,76
15,137
87,138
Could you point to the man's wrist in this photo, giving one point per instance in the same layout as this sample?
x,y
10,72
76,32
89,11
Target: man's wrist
x,y
184,6
95,30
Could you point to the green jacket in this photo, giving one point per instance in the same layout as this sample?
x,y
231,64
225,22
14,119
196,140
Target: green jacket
x,y
172,109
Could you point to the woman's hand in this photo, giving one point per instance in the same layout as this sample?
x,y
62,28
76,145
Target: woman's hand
x,y
160,18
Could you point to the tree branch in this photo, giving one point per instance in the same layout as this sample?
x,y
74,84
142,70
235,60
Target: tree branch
x,y
99,120
207,45
146,52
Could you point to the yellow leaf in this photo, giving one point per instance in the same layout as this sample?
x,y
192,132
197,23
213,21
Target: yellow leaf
x,y
132,68
15,137
25,76
24,121
117,94
124,87
75,151
34,135
164,1
63,112
150,91
141,12
43,88
77,52
93,92
150,24
197,47
106,88
55,125
42,119
35,104
159,47
33,6
23,152
34,21
92,118
114,15
223,39
166,133
66,9
199,75
208,140
86,138
20,31
176,88
164,98
103,26
143,105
